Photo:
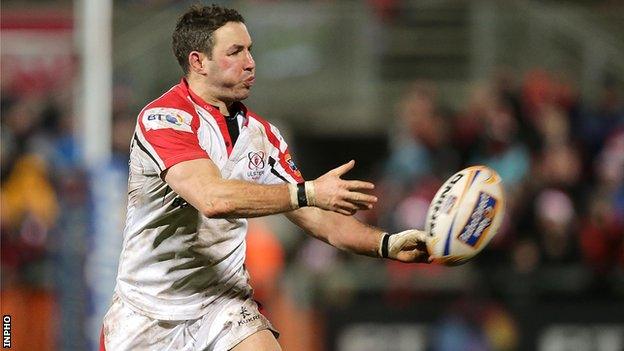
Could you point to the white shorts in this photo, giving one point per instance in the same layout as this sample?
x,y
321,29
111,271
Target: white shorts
x,y
226,325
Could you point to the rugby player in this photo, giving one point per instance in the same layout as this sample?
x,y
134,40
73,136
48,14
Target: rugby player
x,y
200,163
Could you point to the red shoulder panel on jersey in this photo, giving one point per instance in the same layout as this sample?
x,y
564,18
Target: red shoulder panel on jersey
x,y
169,125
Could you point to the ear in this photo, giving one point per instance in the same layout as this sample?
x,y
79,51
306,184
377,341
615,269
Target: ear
x,y
196,62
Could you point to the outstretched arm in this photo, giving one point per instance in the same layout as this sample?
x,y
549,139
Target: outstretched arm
x,y
349,234
199,182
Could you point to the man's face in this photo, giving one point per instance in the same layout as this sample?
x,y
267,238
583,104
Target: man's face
x,y
231,70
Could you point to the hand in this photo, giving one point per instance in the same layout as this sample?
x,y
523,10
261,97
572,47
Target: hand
x,y
343,196
408,246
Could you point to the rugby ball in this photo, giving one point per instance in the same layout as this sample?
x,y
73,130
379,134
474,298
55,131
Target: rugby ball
x,y
464,215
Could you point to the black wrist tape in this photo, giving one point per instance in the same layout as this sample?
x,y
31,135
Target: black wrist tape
x,y
302,198
384,245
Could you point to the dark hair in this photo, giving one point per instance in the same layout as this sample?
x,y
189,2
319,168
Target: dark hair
x,y
195,28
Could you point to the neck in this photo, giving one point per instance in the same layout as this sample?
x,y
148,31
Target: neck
x,y
208,94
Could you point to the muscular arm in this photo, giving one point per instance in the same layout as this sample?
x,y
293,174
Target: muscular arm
x,y
340,231
200,183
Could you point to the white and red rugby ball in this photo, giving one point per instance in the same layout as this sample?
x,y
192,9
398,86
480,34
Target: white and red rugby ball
x,y
464,215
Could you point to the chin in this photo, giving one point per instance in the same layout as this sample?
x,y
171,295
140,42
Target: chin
x,y
242,96
236,95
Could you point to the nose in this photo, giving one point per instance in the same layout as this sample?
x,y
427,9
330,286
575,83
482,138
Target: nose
x,y
250,64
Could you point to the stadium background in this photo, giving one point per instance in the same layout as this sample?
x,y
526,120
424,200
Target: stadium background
x,y
414,91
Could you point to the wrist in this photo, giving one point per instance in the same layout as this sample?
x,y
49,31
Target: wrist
x,y
310,193
383,245
302,194
292,192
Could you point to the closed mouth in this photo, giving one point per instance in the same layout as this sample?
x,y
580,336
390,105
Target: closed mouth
x,y
249,82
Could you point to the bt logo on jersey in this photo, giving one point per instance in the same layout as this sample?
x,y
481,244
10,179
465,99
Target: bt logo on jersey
x,y
167,118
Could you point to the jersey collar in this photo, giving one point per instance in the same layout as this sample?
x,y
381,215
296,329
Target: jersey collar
x,y
215,113
214,110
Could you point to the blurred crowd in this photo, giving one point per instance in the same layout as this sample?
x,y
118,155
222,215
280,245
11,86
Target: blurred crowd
x,y
561,160
42,175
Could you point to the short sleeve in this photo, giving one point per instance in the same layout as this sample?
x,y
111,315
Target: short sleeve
x,y
169,136
283,168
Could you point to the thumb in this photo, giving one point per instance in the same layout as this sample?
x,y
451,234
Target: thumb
x,y
341,170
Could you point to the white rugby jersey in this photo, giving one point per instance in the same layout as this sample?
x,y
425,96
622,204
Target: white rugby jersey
x,y
174,260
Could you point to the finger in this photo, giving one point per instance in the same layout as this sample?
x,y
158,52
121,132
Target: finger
x,y
345,205
344,212
339,171
422,257
419,241
355,197
415,256
363,206
405,256
422,244
359,185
